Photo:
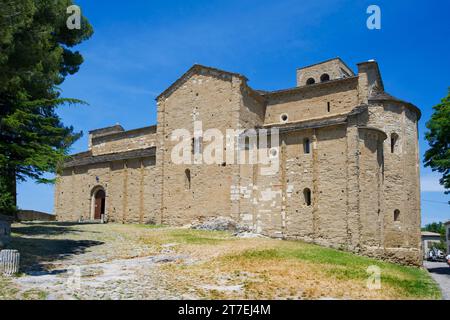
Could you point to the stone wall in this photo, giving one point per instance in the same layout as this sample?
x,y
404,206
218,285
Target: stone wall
x,y
31,215
132,192
214,100
335,68
316,102
124,141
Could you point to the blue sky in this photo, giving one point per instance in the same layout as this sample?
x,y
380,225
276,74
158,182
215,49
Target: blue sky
x,y
140,47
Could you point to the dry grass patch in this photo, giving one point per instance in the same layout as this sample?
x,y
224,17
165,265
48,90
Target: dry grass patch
x,y
271,269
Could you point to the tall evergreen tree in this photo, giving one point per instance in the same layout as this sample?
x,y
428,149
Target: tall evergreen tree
x,y
36,54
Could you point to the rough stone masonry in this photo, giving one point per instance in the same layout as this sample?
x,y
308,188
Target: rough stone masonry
x,y
348,173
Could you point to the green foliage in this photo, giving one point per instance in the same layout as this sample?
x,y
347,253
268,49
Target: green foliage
x,y
35,57
437,227
438,136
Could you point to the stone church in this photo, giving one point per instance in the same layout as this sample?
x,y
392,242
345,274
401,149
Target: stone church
x,y
347,162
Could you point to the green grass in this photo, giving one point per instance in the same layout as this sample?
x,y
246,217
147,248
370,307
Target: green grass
x,y
149,226
34,295
199,236
7,291
409,281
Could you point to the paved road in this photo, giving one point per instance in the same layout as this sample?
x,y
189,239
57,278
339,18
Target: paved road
x,y
440,271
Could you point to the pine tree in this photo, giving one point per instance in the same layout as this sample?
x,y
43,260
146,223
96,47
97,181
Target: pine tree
x,y
36,54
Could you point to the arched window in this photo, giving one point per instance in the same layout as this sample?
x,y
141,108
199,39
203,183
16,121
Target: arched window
x,y
394,139
396,215
325,77
306,146
310,81
307,196
187,179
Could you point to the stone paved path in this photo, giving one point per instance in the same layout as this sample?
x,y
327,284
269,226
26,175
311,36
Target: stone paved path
x,y
440,271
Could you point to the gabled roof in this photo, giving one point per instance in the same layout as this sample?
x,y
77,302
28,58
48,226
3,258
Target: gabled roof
x,y
306,87
196,68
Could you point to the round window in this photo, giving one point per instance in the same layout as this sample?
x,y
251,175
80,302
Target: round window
x,y
284,117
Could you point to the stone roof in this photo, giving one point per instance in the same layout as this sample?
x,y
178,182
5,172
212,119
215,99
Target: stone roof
x,y
124,134
100,131
86,158
384,96
305,87
309,124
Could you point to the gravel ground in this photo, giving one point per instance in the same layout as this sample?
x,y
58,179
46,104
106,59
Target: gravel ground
x,y
112,265
440,271
128,262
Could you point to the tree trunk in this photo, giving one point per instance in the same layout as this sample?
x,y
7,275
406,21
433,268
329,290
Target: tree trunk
x,y
8,185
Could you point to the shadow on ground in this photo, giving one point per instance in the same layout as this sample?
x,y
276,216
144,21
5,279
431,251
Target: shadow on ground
x,y
38,253
439,270
45,229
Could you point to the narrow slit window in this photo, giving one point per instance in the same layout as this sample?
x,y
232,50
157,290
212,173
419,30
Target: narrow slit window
x,y
306,146
187,179
397,215
196,145
394,139
328,107
307,196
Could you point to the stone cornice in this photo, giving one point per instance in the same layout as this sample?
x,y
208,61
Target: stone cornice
x,y
86,158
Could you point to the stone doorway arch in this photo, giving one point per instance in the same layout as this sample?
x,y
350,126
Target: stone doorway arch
x,y
98,203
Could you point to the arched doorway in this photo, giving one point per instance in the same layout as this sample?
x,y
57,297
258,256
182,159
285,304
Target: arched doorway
x,y
99,204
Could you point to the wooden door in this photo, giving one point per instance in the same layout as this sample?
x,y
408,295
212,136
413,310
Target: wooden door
x,y
99,209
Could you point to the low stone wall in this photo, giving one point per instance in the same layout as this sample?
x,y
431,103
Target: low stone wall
x,y
5,231
31,215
